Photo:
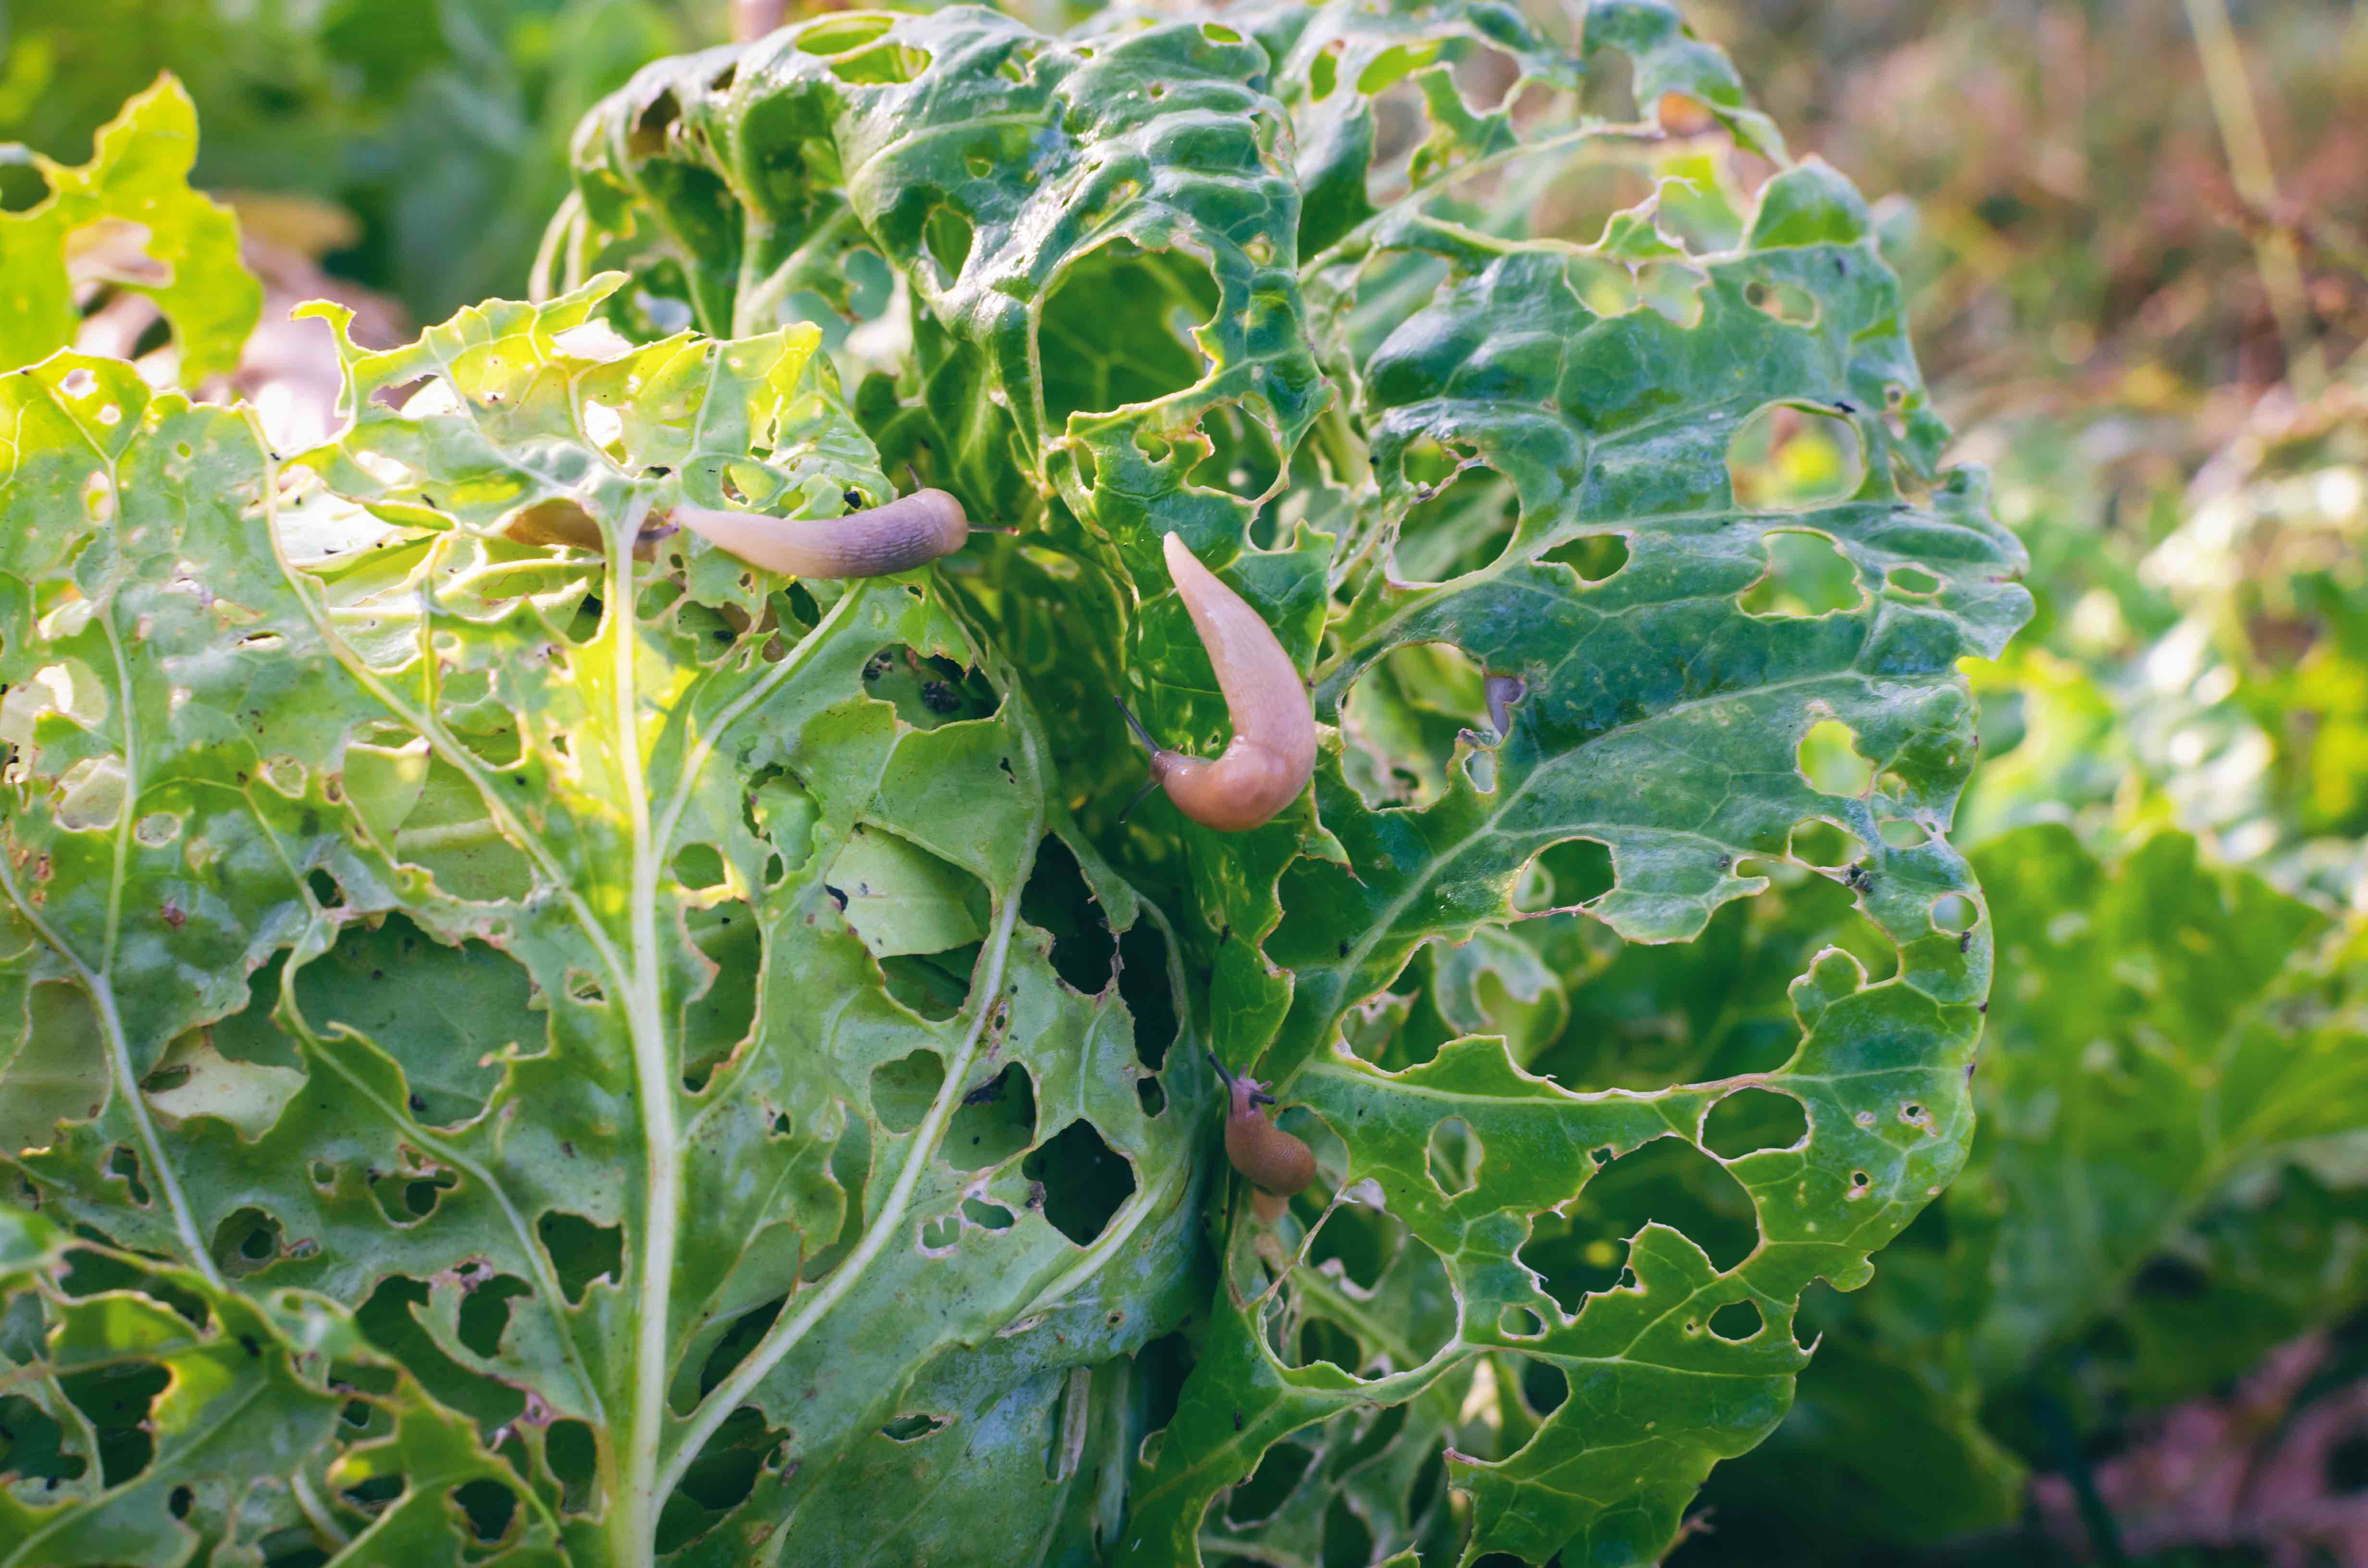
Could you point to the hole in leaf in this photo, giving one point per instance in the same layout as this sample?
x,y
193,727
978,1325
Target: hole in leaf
x,y
1807,575
913,1428
1593,556
1142,984
648,137
1902,834
716,1021
697,867
901,898
123,1163
580,1251
1737,1320
1271,1484
720,1479
995,1122
1401,721
1817,842
438,1010
1454,1154
1320,1339
489,1507
1154,1098
116,1399
246,1243
841,35
1911,580
32,1444
1353,1238
1058,902
485,1313
1788,303
1485,78
573,1455
987,1216
948,237
903,1090
1520,1322
1108,335
934,985
1462,522
391,1319
1544,1385
883,64
1566,874
1954,912
926,692
1085,1181
408,1197
1751,1119
1323,72
1829,760
1785,457
1667,1180
1241,459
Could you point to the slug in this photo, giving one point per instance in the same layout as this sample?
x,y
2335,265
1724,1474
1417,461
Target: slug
x,y
1503,691
1277,1163
752,20
905,533
1273,750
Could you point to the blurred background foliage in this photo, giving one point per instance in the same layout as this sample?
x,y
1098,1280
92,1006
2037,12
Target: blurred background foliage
x,y
2137,241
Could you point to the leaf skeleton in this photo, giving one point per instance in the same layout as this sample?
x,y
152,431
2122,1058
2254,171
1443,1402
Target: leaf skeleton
x,y
1272,754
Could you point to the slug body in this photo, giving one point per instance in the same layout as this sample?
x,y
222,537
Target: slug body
x,y
1277,1163
1273,750
907,532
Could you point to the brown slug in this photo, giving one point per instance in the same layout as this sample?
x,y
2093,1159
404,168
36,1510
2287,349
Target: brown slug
x,y
1277,1163
1272,753
907,532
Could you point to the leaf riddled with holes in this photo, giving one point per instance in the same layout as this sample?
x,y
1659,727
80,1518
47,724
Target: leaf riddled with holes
x,y
728,1037
469,933
127,222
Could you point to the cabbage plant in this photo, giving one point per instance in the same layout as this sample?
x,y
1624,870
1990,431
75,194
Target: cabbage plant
x,y
527,1039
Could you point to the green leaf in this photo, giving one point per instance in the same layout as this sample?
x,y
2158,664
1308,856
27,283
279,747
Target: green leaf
x,y
752,1067
129,220
2152,1045
1142,307
545,1047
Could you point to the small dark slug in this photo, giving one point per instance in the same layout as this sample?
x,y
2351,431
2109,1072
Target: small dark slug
x,y
1276,1163
1272,753
1503,692
909,531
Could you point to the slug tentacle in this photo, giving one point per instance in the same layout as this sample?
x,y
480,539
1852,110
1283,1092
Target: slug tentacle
x,y
1276,1163
907,532
1272,753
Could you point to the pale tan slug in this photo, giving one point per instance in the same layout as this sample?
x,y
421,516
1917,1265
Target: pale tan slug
x,y
907,532
1277,1163
1273,750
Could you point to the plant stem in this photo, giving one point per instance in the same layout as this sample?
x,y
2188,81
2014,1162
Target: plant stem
x,y
635,1526
2248,168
